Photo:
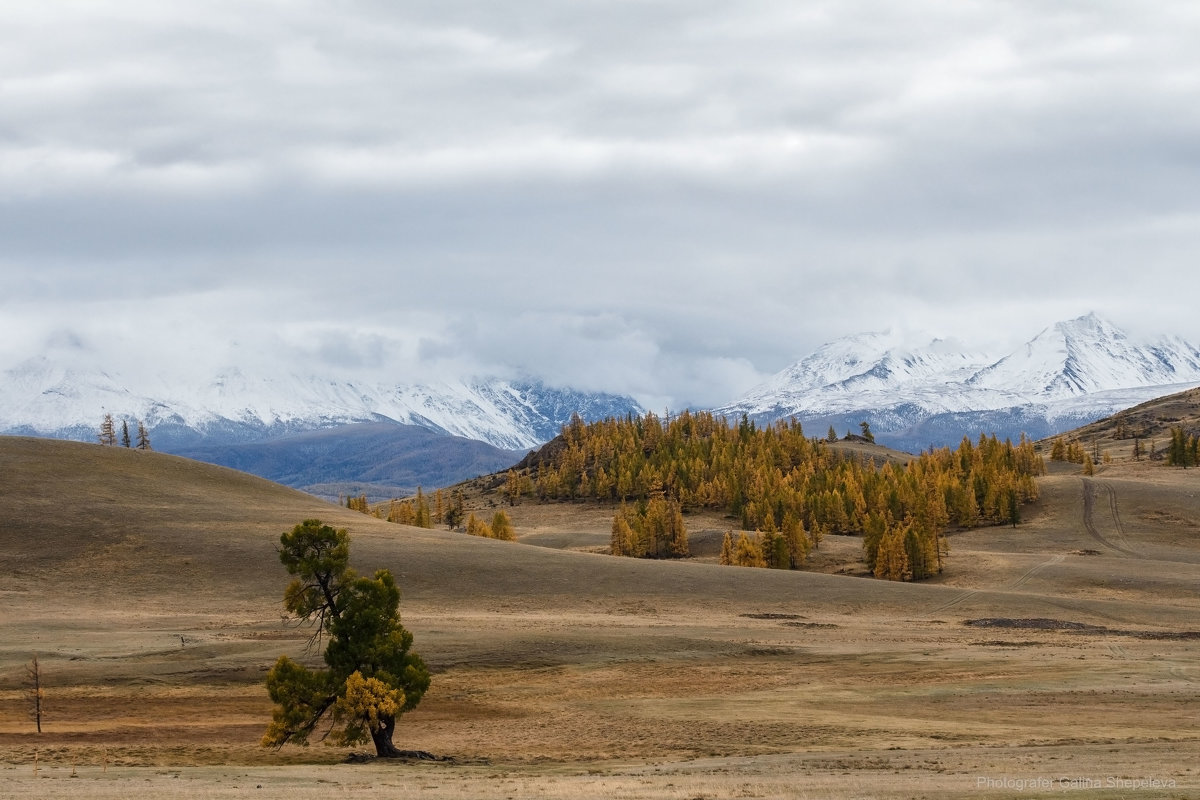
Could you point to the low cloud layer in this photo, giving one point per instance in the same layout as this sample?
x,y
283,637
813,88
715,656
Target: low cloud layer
x,y
669,199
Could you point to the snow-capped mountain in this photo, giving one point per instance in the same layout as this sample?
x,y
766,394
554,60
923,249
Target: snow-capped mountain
x,y
43,397
1088,355
1072,372
862,371
912,396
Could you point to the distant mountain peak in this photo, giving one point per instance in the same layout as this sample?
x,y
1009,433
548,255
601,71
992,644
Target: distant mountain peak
x,y
43,397
864,365
1067,365
1088,321
1089,354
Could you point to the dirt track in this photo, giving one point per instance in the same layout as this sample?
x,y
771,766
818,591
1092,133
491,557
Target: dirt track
x,y
1112,518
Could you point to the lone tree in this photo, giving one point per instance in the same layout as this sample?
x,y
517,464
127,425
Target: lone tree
x,y
456,514
866,431
143,437
108,431
36,693
372,677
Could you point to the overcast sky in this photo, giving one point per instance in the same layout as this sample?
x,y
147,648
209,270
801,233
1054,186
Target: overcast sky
x,y
670,199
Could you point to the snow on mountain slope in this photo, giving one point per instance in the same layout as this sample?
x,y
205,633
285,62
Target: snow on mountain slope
x,y
1088,355
834,363
867,370
1068,371
1072,369
42,397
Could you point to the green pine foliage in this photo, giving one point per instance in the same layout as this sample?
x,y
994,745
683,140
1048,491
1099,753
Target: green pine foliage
x,y
778,482
456,514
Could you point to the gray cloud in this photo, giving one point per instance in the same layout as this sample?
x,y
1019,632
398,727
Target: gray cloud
x,y
666,198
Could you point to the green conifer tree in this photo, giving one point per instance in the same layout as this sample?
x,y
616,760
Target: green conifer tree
x,y
372,676
866,431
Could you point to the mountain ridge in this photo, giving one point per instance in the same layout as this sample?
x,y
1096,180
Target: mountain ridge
x,y
328,437
40,397
1067,375
913,396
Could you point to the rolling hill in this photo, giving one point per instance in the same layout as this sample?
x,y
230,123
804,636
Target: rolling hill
x,y
1148,422
149,588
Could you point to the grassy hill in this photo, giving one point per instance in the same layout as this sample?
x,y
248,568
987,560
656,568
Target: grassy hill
x,y
1150,422
149,587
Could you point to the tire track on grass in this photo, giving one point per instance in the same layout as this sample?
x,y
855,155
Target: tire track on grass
x,y
1089,511
1020,581
1115,510
964,596
1089,524
1182,672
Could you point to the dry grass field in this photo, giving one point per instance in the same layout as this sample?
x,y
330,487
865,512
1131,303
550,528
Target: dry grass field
x,y
1057,658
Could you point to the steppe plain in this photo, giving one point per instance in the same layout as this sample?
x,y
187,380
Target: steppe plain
x,y
1055,658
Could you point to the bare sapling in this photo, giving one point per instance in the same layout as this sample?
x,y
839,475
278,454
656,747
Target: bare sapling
x,y
36,693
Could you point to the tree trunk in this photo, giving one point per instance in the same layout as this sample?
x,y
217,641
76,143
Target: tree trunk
x,y
383,739
385,749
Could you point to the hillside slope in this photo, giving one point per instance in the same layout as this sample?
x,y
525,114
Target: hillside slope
x,y
113,523
150,589
125,524
1149,423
